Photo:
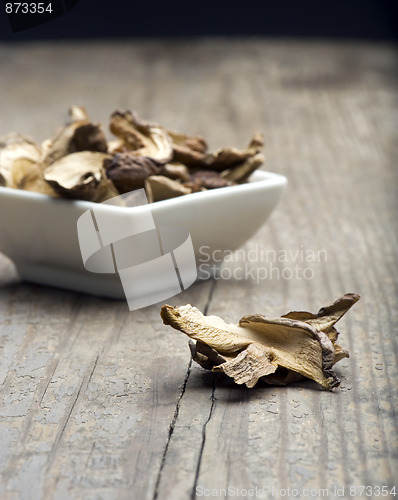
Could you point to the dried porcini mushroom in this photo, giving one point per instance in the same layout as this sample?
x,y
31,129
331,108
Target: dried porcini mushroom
x,y
241,172
276,350
28,175
221,159
226,157
15,147
90,137
79,175
128,171
176,171
167,163
15,138
189,150
142,138
160,188
77,135
208,179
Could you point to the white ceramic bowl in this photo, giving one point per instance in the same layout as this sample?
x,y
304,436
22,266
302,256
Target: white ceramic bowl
x,y
39,233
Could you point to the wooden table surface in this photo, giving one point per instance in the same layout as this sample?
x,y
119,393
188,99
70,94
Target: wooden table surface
x,y
98,402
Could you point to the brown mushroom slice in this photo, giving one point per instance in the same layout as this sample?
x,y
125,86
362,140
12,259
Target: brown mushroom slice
x,y
16,147
142,138
207,179
159,187
192,142
78,175
128,171
277,350
242,171
189,150
227,157
77,135
190,157
221,159
89,137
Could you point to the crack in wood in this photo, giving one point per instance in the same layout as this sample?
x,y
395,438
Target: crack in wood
x,y
58,439
171,429
177,410
210,298
202,446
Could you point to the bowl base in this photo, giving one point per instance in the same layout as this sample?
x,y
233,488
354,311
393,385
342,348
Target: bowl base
x,y
102,285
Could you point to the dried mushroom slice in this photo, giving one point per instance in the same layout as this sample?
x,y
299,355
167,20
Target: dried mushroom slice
x,y
15,138
16,147
189,150
326,317
227,157
221,159
128,171
207,179
176,171
28,175
160,188
166,162
79,175
78,113
192,142
276,350
142,138
90,137
296,346
241,172
77,135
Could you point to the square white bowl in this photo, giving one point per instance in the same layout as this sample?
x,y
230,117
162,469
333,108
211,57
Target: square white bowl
x,y
39,233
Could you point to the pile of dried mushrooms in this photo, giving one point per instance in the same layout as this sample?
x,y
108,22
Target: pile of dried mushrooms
x,y
80,163
276,350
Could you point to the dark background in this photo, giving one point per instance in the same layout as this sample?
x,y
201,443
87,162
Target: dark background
x,y
355,19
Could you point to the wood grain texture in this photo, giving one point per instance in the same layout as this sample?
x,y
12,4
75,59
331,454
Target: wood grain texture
x,y
101,403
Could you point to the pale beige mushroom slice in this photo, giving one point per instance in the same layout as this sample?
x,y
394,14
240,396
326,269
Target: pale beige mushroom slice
x,y
82,176
28,175
160,188
14,147
142,138
176,171
276,350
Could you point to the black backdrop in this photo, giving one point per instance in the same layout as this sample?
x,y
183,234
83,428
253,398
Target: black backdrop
x,y
360,19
